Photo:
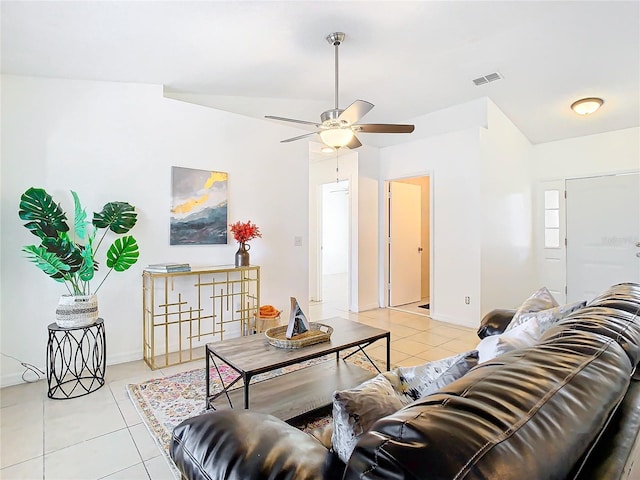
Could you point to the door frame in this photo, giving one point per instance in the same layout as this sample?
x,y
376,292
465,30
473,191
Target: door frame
x,y
385,234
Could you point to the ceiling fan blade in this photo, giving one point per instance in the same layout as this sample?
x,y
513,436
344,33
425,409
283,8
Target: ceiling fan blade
x,y
302,123
384,128
355,111
353,143
298,137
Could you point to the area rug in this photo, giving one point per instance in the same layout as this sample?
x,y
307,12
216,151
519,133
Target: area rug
x,y
165,402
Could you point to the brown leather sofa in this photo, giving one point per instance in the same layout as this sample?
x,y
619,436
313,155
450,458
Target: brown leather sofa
x,y
566,408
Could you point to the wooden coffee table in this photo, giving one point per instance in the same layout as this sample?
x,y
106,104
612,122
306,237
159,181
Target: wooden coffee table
x,y
299,392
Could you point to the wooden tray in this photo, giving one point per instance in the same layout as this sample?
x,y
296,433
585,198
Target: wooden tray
x,y
317,333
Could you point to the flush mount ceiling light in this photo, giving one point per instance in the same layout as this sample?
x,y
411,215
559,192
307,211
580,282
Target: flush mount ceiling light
x,y
587,106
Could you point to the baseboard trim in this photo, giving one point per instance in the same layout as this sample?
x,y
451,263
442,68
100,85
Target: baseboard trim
x,y
370,306
453,320
11,379
124,357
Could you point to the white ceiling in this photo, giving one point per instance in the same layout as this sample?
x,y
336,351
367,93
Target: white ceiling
x,y
409,58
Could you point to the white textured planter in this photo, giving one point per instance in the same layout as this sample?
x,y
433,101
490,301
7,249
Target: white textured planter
x,y
77,311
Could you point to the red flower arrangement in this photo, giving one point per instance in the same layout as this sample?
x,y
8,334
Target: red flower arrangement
x,y
243,232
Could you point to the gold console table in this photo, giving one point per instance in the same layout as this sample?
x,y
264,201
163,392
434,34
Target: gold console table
x,y
183,311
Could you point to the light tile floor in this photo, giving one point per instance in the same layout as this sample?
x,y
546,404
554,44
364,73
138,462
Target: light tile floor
x,y
101,436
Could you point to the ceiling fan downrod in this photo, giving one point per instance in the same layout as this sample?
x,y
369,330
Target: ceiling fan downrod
x,y
336,39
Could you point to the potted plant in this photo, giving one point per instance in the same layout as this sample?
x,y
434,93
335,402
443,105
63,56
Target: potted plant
x,y
69,256
243,232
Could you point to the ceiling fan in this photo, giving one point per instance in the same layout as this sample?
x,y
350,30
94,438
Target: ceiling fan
x,y
338,127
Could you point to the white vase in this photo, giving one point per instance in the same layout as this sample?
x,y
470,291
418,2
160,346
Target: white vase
x,y
75,311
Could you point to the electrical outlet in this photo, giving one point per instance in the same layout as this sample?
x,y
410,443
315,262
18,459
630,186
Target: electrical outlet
x,y
467,300
297,241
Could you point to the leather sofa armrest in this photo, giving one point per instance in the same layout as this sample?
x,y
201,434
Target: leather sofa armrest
x,y
612,456
240,444
495,322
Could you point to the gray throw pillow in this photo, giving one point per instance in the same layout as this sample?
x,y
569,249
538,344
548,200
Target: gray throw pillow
x,y
540,300
413,383
546,318
356,410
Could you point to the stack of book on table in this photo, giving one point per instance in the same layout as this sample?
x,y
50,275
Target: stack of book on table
x,y
168,267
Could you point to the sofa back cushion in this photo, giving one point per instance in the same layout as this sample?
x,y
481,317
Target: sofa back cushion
x,y
619,325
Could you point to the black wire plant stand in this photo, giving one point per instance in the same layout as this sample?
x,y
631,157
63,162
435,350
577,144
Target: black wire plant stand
x,y
76,360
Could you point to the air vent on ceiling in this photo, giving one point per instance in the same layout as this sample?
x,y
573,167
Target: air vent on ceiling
x,y
491,77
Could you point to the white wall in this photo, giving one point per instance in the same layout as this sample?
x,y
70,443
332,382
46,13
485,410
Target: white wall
x,y
482,210
116,141
367,235
453,162
601,154
507,256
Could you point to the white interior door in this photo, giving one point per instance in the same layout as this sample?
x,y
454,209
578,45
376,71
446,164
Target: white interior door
x,y
404,243
603,234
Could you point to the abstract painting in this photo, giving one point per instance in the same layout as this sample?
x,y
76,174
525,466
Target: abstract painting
x,y
198,207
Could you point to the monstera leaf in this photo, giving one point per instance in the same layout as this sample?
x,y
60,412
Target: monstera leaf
x,y
48,262
67,252
122,253
45,218
80,224
119,217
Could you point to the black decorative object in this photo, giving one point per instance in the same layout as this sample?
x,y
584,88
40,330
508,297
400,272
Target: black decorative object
x,y
76,360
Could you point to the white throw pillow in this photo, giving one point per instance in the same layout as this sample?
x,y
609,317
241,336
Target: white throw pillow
x,y
356,410
522,336
540,300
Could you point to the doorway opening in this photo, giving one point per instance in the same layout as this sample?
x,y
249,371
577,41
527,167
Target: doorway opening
x,y
408,266
333,261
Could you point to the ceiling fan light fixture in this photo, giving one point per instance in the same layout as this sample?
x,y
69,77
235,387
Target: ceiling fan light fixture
x,y
336,137
586,106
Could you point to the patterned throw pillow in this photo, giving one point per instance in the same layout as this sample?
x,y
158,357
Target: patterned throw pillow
x,y
540,300
416,382
546,318
356,410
